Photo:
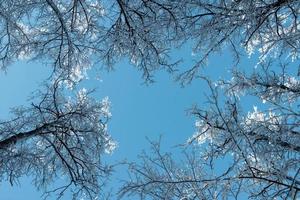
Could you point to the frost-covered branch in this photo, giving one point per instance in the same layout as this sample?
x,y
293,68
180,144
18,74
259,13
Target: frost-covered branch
x,y
58,137
74,35
232,152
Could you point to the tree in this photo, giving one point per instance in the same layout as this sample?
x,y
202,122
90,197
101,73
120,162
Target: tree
x,y
58,137
262,146
234,153
72,35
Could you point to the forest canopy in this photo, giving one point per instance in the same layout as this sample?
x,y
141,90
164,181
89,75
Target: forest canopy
x,y
64,130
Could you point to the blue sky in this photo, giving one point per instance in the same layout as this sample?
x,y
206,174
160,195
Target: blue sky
x,y
138,110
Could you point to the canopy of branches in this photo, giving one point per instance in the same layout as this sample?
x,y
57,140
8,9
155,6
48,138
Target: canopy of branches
x,y
60,135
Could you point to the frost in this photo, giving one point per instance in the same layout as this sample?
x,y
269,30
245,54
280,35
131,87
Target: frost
x,y
40,144
292,82
106,107
25,54
78,73
98,7
134,60
110,146
256,116
203,133
82,95
251,47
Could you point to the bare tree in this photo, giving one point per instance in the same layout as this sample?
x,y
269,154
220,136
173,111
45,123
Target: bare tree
x,y
68,136
233,153
59,137
73,35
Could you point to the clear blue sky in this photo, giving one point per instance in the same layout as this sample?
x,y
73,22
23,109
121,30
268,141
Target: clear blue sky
x,y
138,110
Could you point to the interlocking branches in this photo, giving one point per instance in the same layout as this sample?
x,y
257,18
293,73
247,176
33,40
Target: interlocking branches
x,y
57,138
73,35
232,153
